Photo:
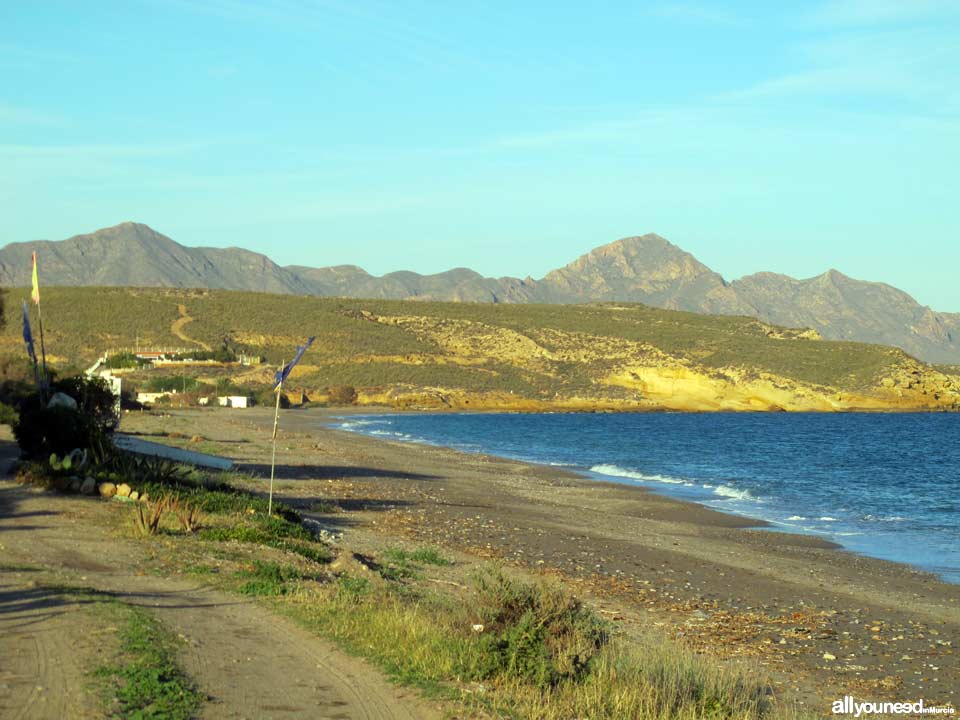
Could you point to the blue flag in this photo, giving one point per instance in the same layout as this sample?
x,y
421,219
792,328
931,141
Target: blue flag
x,y
27,335
281,374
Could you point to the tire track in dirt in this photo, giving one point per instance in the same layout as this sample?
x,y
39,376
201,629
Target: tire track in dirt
x,y
250,662
176,328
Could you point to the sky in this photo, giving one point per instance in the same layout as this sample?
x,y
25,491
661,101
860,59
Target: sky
x,y
509,137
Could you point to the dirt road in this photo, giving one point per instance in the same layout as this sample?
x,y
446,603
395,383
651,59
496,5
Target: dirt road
x,y
176,328
249,662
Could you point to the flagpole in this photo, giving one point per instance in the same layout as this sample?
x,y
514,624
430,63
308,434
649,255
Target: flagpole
x,y
273,459
43,350
35,296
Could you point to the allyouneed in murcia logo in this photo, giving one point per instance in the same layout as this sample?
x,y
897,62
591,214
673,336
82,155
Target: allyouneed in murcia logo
x,y
849,706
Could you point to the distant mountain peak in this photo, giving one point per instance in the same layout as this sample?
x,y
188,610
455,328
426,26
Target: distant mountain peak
x,y
645,268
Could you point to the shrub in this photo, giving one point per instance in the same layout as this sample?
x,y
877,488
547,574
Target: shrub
x,y
94,398
42,431
125,360
534,632
266,397
342,395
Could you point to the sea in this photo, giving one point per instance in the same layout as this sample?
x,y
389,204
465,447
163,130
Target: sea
x,y
886,485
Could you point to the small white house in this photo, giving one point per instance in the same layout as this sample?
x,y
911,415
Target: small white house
x,y
234,401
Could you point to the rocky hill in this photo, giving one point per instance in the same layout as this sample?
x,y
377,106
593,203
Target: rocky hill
x,y
646,269
518,356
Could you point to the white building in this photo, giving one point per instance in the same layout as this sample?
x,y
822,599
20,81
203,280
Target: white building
x,y
234,401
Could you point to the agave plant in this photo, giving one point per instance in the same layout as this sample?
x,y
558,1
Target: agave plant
x,y
146,518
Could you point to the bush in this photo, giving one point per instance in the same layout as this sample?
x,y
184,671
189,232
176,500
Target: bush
x,y
125,360
42,431
268,398
94,398
342,395
534,632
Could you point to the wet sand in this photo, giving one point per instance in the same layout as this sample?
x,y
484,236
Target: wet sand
x,y
822,621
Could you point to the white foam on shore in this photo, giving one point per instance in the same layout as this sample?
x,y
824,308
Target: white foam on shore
x,y
351,424
734,493
617,471
827,518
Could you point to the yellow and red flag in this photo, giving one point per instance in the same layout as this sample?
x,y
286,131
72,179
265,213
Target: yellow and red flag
x,y
35,294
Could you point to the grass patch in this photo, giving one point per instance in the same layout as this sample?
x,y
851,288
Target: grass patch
x,y
262,530
422,556
399,564
145,681
268,578
537,652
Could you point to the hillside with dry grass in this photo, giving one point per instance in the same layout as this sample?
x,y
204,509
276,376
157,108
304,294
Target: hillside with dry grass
x,y
465,355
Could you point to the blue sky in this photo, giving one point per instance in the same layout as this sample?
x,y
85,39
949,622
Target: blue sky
x,y
507,137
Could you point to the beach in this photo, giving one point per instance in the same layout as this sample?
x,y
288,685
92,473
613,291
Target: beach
x,y
822,622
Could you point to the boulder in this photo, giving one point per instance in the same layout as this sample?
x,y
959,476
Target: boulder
x,y
134,495
107,489
123,490
88,486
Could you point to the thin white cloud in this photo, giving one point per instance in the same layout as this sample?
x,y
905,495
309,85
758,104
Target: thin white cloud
x,y
917,65
876,12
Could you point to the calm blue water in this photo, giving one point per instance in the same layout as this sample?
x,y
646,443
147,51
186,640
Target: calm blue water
x,y
886,485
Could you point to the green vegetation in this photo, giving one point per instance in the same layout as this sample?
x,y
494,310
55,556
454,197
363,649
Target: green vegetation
x,y
354,350
268,578
145,680
41,429
424,556
169,383
125,360
524,650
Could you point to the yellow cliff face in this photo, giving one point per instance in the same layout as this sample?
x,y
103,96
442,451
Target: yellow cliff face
x,y
643,376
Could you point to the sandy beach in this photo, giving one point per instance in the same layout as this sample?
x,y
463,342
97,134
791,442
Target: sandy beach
x,y
821,621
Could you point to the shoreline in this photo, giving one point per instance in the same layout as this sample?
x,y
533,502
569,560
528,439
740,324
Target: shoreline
x,y
330,416
726,586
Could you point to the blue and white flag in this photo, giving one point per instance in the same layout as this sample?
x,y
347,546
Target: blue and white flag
x,y
27,335
282,373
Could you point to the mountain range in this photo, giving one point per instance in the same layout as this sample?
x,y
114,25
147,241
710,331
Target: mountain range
x,y
646,269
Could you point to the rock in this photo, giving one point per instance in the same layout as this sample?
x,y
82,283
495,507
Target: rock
x,y
123,490
828,656
75,484
134,495
145,497
62,400
88,486
107,489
